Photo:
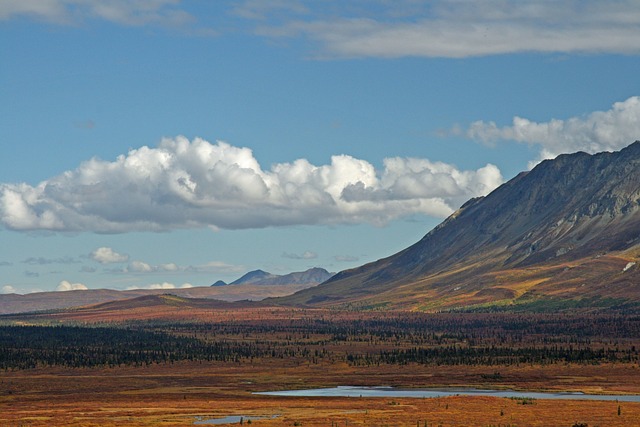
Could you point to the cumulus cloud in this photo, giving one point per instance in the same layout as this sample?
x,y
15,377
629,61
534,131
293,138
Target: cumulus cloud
x,y
195,184
105,255
8,289
304,255
143,267
140,267
124,12
598,131
457,29
67,286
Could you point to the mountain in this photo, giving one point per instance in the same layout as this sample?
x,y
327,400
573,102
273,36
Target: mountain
x,y
313,276
220,283
565,234
253,277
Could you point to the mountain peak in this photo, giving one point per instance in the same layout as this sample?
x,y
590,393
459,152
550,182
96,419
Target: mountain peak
x,y
252,277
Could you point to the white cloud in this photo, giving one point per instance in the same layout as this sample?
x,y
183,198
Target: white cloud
x,y
105,255
608,130
140,267
163,285
456,29
183,184
124,12
304,255
67,286
169,267
8,289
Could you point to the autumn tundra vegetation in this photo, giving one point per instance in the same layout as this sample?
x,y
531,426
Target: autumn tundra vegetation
x,y
183,365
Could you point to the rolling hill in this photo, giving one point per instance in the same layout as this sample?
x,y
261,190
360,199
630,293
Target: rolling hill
x,y
565,234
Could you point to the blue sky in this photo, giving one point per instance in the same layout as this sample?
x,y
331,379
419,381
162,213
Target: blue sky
x,y
174,143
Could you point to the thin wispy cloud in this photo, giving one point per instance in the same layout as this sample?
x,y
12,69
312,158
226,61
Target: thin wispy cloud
x,y
213,267
457,29
123,12
46,261
195,184
304,255
379,29
346,258
608,130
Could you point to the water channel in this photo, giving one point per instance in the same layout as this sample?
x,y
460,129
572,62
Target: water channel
x,y
352,391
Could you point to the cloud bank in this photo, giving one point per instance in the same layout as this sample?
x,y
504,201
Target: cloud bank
x,y
194,184
608,130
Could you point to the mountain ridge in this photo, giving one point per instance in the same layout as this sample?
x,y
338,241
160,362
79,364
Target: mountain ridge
x,y
564,212
312,276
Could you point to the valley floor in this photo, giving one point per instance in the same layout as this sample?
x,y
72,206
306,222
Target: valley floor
x,y
187,392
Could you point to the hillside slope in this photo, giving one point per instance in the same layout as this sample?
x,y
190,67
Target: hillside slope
x,y
568,230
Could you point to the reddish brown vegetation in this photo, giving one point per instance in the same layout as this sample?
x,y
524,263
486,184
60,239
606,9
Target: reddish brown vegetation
x,y
176,393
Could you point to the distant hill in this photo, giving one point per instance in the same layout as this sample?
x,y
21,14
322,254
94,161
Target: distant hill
x,y
566,234
313,276
14,303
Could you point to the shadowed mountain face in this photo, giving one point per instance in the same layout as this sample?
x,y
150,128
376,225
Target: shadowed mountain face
x,y
578,210
313,276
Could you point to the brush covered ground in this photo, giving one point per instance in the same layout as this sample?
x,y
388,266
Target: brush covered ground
x,y
177,365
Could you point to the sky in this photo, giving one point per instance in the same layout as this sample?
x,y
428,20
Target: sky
x,y
169,144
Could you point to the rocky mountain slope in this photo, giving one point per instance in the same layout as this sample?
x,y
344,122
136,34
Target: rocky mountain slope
x,y
568,230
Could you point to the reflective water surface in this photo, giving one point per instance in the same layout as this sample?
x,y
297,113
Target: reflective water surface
x,y
351,391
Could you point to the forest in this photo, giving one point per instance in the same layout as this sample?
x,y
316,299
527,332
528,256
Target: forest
x,y
358,339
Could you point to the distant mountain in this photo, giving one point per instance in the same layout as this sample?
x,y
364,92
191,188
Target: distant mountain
x,y
253,277
565,234
313,276
219,283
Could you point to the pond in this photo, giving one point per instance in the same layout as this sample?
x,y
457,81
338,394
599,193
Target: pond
x,y
231,419
353,391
